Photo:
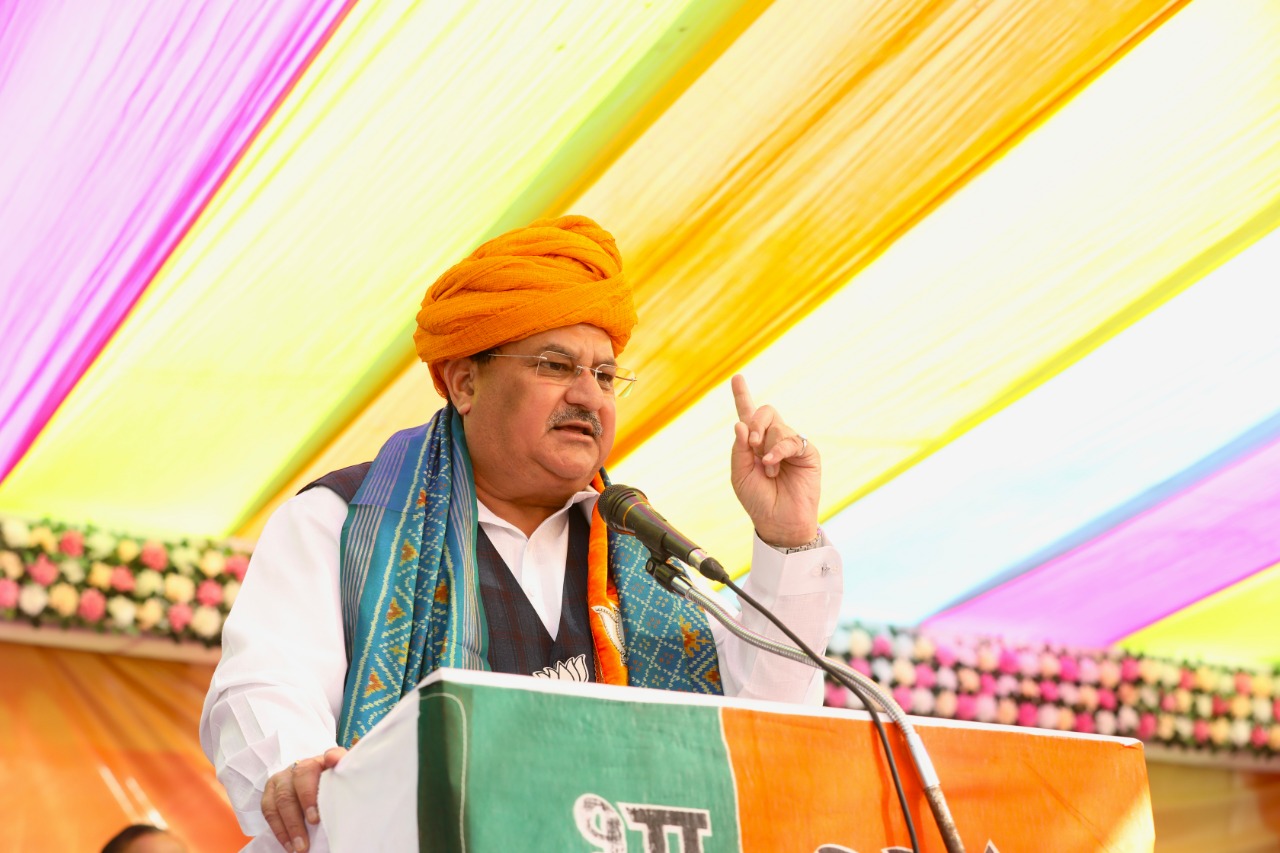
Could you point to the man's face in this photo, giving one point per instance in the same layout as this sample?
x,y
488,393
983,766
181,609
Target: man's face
x,y
532,436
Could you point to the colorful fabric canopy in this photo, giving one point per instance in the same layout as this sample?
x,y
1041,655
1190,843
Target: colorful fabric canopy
x,y
1007,265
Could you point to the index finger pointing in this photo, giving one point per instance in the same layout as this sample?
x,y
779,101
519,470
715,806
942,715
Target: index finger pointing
x,y
742,397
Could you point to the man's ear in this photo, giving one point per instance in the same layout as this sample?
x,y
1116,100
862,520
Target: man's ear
x,y
459,375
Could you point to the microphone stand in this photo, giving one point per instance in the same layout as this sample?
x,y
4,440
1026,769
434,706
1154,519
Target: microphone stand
x,y
673,579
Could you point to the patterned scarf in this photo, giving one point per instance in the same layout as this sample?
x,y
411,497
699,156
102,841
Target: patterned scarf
x,y
411,595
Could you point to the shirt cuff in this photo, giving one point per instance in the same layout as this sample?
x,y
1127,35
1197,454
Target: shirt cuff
x,y
774,573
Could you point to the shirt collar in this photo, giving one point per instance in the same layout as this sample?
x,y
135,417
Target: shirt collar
x,y
586,499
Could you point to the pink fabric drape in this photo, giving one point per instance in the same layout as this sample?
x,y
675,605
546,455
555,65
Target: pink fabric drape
x,y
118,121
1208,537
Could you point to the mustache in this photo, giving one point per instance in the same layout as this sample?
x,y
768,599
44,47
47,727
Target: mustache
x,y
575,413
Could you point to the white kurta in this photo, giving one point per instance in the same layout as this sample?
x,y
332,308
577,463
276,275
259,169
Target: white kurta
x,y
277,692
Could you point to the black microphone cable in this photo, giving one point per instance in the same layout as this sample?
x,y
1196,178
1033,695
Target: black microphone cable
x,y
663,572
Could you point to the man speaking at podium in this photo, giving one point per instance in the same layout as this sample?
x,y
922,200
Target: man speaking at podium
x,y
474,541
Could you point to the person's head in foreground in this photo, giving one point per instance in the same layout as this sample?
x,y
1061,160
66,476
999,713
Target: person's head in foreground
x,y
144,838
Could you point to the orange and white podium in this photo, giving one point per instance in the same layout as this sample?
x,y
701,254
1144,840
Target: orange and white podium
x,y
480,762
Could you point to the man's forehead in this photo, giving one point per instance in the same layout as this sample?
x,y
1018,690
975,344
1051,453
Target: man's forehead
x,y
581,340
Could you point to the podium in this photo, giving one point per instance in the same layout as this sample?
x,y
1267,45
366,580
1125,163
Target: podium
x,y
478,762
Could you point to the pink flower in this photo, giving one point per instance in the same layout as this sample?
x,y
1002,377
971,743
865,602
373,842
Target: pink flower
x,y
1027,714
1244,684
1129,670
1006,685
861,665
1084,723
1069,669
209,593
237,564
72,543
925,676
1168,703
988,684
1259,738
92,605
122,580
1029,663
1146,726
1200,731
43,571
179,616
1107,699
1221,707
1049,691
881,647
966,706
836,693
1008,661
1047,717
985,709
9,592
1187,680
154,556
1088,671
945,656
902,695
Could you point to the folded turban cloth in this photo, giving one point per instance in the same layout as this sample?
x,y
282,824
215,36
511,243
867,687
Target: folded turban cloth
x,y
553,273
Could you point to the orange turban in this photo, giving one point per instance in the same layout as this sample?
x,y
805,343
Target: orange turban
x,y
553,273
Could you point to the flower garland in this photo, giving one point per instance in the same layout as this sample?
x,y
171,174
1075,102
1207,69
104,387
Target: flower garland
x,y
1201,707
59,575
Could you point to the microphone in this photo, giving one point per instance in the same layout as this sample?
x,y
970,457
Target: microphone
x,y
627,510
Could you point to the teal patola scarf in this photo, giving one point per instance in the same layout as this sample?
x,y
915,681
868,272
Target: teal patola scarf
x,y
411,596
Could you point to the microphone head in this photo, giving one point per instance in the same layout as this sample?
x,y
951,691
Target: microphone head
x,y
614,502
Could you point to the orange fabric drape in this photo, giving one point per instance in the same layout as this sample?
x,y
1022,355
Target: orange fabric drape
x,y
90,743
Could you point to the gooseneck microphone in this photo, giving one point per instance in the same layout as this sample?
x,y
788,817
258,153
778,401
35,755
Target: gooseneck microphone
x,y
627,510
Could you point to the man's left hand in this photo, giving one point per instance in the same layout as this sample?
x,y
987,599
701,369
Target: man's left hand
x,y
776,474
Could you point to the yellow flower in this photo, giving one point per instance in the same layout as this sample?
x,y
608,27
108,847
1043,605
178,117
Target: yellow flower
x,y
179,589
128,550
1262,684
206,622
1220,730
100,575
15,533
150,614
212,563
1241,706
10,565
64,599
229,592
43,537
148,583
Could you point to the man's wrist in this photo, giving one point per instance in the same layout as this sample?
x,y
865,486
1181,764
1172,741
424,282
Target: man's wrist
x,y
815,542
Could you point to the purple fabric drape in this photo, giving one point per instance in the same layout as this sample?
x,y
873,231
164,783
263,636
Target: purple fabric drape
x,y
1208,537
118,121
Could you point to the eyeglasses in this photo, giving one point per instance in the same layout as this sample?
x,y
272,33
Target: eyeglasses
x,y
563,370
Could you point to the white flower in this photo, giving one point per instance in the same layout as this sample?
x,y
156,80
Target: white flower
x,y
33,599
1240,731
882,671
207,621
1262,709
184,559
232,589
15,532
903,646
1127,719
1204,705
148,583
1183,726
122,611
574,669
150,613
100,544
1106,722
72,570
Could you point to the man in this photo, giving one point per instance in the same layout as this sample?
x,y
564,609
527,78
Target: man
x,y
144,838
473,541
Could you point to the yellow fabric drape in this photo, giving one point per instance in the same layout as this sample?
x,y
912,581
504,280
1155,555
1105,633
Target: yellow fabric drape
x,y
821,135
90,743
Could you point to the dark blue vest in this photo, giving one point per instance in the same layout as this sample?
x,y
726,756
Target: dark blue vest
x,y
518,641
